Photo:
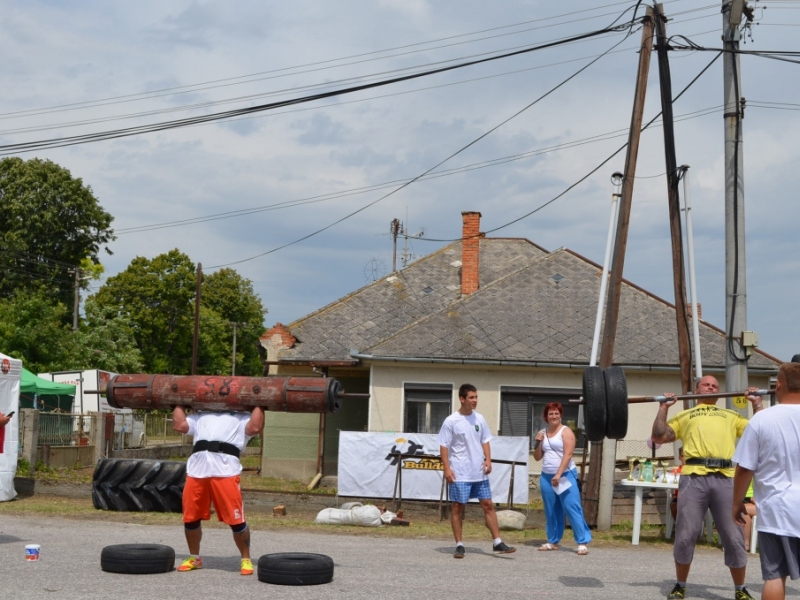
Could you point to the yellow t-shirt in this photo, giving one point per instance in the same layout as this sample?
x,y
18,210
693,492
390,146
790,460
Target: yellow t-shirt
x,y
707,431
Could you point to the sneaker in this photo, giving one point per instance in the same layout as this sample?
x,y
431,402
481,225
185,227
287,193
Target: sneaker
x,y
191,563
678,592
501,548
743,594
459,553
247,567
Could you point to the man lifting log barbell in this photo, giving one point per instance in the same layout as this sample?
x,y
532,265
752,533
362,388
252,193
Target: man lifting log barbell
x,y
708,434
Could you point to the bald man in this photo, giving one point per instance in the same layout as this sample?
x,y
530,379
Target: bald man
x,y
708,434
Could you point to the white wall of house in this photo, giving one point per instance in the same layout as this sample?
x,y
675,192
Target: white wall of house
x,y
386,407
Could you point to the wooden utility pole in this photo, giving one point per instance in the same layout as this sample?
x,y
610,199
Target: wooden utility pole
x,y
597,495
678,274
195,339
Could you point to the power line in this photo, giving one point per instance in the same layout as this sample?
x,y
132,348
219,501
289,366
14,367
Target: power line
x,y
473,142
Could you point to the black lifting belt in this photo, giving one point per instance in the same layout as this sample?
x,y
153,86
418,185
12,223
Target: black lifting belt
x,y
223,447
711,463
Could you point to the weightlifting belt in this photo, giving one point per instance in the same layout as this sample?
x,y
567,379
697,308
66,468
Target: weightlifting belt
x,y
222,447
711,463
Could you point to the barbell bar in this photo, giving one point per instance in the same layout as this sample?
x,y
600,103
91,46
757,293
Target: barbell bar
x,y
605,399
221,393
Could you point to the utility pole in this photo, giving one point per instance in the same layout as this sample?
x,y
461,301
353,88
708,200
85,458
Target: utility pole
x,y
394,230
75,308
735,273
233,360
673,179
600,489
195,339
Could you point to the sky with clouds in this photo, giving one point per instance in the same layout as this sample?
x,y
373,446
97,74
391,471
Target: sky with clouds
x,y
299,199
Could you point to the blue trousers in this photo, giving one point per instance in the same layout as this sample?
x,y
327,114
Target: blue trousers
x,y
556,506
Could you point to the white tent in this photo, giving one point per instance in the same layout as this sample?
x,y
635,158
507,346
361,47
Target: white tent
x,y
10,377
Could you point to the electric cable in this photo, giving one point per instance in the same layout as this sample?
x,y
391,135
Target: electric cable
x,y
177,123
403,186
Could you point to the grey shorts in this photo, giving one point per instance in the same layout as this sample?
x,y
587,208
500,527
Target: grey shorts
x,y
780,556
696,495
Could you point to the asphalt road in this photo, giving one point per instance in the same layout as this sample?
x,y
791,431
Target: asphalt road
x,y
366,567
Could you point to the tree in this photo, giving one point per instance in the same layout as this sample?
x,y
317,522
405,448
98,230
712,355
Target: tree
x,y
106,341
231,296
49,223
156,296
32,329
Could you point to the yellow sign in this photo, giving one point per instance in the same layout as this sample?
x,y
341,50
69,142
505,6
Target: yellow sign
x,y
740,402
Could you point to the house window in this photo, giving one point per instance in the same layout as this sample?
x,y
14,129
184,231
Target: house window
x,y
427,405
521,411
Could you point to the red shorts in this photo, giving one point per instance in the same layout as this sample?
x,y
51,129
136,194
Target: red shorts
x,y
224,492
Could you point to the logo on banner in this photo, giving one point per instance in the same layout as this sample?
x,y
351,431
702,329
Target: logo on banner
x,y
5,366
425,463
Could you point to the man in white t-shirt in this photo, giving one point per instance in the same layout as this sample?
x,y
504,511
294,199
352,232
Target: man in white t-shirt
x,y
769,453
212,476
467,460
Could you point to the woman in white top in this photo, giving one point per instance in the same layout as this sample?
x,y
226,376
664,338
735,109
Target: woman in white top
x,y
559,481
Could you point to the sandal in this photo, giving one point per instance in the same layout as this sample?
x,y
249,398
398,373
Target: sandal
x,y
547,547
582,550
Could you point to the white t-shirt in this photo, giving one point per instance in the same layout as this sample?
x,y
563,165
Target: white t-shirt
x,y
217,427
770,446
464,436
553,449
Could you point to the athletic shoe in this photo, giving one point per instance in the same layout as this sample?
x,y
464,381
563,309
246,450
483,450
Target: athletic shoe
x,y
247,567
459,553
743,594
679,592
501,548
191,563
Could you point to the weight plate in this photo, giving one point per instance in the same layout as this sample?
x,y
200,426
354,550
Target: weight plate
x,y
594,398
616,403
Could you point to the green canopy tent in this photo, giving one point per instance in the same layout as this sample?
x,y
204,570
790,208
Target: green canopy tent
x,y
49,396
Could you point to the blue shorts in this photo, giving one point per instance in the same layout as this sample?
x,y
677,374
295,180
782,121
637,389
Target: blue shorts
x,y
463,491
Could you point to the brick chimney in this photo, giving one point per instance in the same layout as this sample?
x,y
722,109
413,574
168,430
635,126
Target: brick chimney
x,y
470,252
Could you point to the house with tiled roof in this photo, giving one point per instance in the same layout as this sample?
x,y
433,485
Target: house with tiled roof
x,y
506,315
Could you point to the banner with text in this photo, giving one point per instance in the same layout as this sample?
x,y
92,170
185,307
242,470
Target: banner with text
x,y
368,467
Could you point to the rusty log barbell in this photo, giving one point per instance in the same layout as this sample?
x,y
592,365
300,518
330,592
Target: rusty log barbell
x,y
605,399
220,393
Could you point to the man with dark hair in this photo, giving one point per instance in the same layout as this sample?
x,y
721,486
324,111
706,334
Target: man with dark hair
x,y
467,460
212,477
769,454
708,435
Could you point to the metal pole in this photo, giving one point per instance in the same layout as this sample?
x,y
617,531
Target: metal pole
x,y
735,273
698,359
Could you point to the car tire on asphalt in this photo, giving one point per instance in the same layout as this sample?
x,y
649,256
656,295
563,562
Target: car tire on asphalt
x,y
295,568
137,559
132,485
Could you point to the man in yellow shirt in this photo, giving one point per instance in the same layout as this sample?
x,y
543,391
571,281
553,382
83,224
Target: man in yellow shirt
x,y
708,434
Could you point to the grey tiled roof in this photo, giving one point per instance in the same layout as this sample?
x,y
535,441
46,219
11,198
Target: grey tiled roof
x,y
532,306
378,311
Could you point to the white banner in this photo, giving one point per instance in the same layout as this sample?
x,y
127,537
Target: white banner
x,y
367,468
10,373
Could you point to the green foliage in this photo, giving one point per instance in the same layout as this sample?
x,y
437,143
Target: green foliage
x,y
106,341
156,298
32,329
49,222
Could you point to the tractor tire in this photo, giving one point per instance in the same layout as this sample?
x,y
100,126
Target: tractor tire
x,y
132,485
594,398
137,559
616,403
295,568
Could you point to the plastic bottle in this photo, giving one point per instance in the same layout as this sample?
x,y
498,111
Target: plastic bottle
x,y
648,470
